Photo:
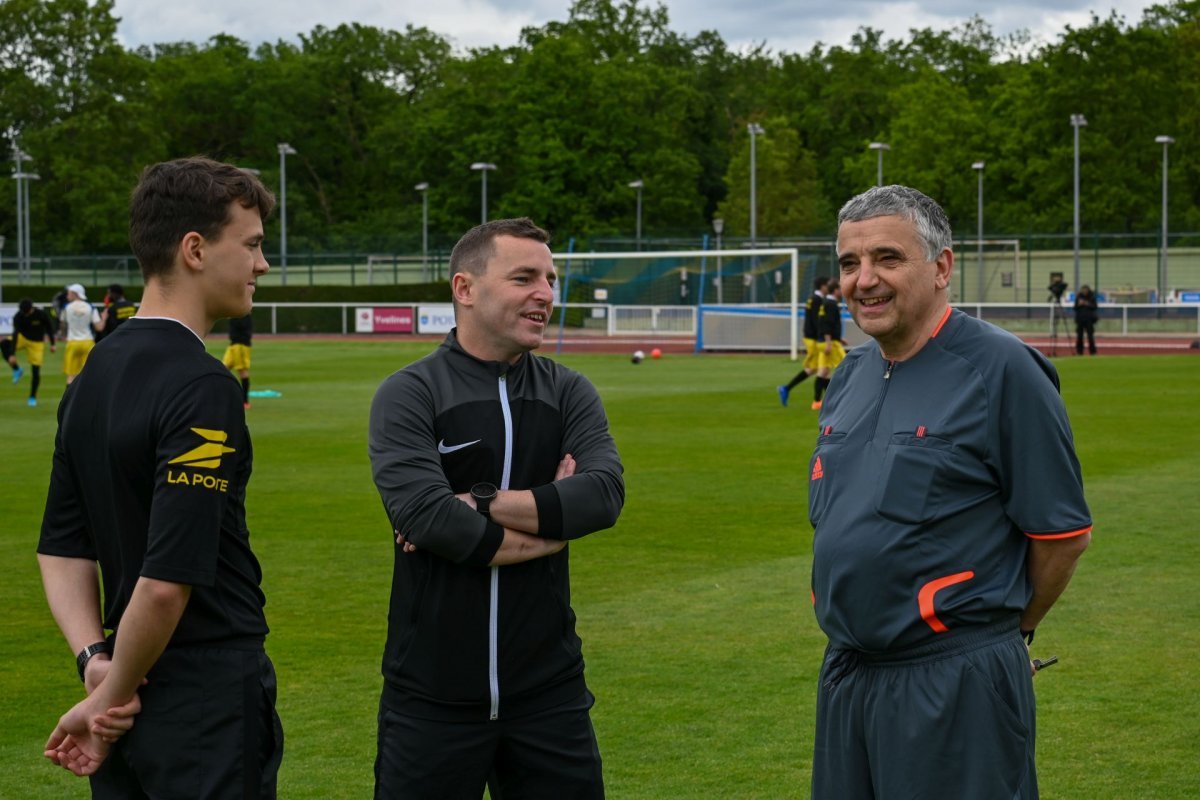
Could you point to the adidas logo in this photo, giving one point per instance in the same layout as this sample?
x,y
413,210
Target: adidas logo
x,y
818,471
207,455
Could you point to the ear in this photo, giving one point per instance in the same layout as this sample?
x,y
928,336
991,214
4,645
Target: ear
x,y
191,250
462,289
944,266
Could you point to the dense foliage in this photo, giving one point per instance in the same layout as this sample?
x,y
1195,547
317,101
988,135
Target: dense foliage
x,y
581,107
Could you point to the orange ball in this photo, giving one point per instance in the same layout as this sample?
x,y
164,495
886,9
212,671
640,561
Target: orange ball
x,y
656,353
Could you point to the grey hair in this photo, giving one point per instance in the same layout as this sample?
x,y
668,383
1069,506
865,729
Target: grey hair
x,y
922,211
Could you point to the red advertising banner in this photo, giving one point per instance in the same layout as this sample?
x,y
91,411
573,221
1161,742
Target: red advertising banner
x,y
384,320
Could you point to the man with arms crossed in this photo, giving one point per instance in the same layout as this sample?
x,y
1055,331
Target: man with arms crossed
x,y
151,485
949,516
489,459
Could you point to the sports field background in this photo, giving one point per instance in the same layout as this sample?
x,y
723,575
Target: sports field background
x,y
699,637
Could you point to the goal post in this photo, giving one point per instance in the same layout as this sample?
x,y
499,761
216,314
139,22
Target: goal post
x,y
721,297
993,277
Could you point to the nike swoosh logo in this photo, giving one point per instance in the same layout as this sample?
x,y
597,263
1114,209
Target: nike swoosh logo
x,y
443,448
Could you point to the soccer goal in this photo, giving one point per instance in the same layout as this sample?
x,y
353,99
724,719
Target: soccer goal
x,y
987,271
747,299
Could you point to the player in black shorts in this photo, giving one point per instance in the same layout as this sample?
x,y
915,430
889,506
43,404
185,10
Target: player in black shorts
x,y
151,485
31,325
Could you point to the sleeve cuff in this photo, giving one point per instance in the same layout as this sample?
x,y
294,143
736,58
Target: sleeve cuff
x,y
550,513
485,551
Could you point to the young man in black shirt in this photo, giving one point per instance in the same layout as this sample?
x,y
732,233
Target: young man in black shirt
x,y
151,486
31,326
116,310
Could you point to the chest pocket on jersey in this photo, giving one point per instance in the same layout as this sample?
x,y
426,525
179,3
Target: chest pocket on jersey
x,y
912,488
822,472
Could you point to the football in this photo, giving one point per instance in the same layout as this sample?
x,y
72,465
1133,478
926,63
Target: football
x,y
656,353
637,356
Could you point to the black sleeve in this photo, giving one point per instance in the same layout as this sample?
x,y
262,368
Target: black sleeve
x,y
408,474
592,498
64,529
198,432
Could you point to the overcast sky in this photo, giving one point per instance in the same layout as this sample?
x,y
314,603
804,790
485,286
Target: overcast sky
x,y
784,25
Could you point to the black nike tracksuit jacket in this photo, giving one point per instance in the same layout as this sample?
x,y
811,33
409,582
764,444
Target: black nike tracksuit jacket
x,y
467,641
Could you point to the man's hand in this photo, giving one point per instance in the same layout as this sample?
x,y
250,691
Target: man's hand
x,y
73,745
117,721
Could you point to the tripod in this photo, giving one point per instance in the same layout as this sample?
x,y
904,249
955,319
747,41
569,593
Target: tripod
x,y
1058,316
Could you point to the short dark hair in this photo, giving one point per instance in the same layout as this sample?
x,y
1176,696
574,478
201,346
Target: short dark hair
x,y
175,198
820,282
116,290
25,304
477,245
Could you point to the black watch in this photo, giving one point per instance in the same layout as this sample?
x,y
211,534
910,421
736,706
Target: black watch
x,y
483,494
85,655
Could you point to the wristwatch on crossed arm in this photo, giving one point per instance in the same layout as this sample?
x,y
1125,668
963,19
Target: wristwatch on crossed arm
x,y
483,494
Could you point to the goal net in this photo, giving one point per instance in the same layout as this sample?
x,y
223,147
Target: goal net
x,y
987,271
746,299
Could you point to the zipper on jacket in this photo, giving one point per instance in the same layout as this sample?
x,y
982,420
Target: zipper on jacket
x,y
493,611
887,376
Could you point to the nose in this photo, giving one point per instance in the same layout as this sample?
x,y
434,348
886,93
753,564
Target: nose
x,y
544,291
261,267
866,275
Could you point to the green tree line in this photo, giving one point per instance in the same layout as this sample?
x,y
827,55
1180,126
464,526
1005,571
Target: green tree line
x,y
580,108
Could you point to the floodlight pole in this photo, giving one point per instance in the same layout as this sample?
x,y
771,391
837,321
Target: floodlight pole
x,y
719,228
879,147
1077,121
1165,141
755,130
978,167
638,184
483,167
423,188
285,150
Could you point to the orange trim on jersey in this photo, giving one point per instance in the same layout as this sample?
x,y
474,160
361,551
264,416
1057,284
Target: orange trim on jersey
x,y
925,597
814,596
945,317
1067,535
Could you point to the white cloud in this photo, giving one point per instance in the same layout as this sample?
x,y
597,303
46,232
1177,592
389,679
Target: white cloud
x,y
784,25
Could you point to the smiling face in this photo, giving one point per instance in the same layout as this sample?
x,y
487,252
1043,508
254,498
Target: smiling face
x,y
503,312
233,262
894,293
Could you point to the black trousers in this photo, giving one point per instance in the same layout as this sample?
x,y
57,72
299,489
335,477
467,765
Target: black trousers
x,y
1090,329
547,755
208,729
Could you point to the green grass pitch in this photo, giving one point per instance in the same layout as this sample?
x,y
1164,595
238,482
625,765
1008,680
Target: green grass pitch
x,y
700,642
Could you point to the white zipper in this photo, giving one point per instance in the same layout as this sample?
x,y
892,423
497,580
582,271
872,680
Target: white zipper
x,y
493,613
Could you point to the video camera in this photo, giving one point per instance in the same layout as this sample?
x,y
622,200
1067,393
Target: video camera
x,y
1057,286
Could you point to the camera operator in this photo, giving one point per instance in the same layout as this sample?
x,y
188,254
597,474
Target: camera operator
x,y
1086,314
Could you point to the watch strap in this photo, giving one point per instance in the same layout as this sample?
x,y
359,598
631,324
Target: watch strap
x,y
85,655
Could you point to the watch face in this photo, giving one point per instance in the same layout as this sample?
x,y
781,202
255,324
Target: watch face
x,y
483,491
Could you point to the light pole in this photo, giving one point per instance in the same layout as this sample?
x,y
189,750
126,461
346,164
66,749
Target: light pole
x,y
978,167
285,150
755,130
879,147
423,188
1165,141
718,229
1077,121
483,167
19,174
638,184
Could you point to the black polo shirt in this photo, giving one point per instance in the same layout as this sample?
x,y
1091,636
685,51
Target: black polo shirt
x,y
149,476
